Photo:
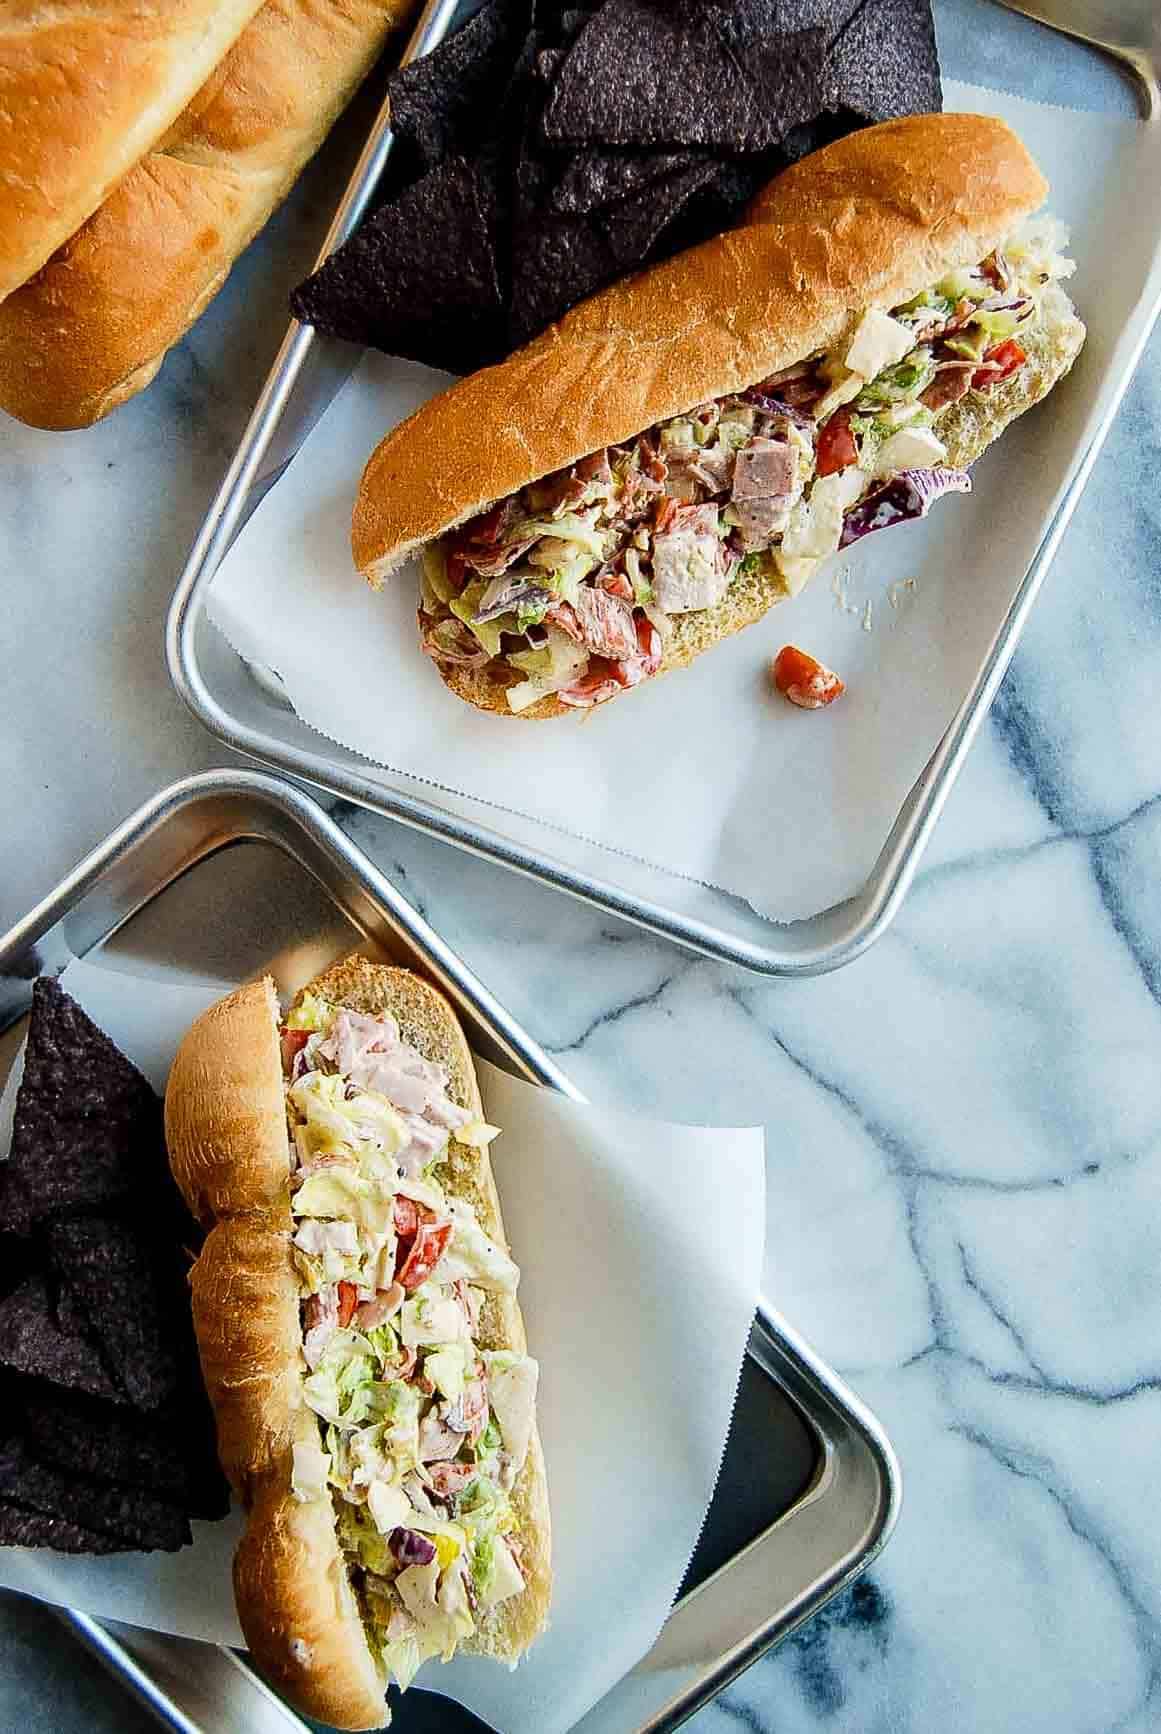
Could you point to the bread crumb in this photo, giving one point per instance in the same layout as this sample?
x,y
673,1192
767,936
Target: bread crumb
x,y
867,615
895,591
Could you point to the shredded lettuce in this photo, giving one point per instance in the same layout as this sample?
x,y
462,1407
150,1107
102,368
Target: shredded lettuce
x,y
487,632
339,1191
311,1013
571,527
385,1343
334,1124
446,1367
966,284
900,383
434,566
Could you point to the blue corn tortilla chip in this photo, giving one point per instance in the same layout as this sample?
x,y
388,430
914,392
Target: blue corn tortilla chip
x,y
444,103
560,258
884,63
47,1338
104,1265
419,278
87,1127
718,203
607,136
20,1527
163,1455
130,1516
646,73
594,178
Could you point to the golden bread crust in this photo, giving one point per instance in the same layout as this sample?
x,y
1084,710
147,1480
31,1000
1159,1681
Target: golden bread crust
x,y
86,88
92,328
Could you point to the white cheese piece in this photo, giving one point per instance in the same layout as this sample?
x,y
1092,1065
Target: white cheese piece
x,y
506,1578
879,342
816,523
512,1396
425,1320
912,448
842,392
795,573
389,1506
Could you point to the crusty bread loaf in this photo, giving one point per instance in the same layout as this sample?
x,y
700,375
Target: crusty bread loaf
x,y
93,327
86,88
226,1131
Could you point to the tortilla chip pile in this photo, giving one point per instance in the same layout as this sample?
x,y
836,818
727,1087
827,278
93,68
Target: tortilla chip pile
x,y
545,150
106,1437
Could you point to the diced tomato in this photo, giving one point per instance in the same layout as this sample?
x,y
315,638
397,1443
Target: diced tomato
x,y
1006,358
293,1041
836,448
804,680
406,1216
426,1250
648,644
348,1301
458,571
663,514
616,584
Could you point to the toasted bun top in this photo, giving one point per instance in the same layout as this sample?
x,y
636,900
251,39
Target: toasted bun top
x,y
85,90
868,221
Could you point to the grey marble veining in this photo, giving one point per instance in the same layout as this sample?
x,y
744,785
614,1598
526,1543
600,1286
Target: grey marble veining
x,y
963,1126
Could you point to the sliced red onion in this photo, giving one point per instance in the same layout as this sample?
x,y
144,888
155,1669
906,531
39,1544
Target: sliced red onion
x,y
777,406
997,304
511,591
408,1547
910,494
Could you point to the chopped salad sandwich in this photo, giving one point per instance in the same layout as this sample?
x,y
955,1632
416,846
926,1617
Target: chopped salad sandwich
x,y
829,370
359,1332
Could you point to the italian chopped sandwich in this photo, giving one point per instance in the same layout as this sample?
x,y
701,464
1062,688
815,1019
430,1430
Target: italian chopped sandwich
x,y
378,1416
827,371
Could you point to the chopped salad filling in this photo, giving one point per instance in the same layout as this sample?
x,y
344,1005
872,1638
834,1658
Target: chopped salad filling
x,y
422,1432
572,583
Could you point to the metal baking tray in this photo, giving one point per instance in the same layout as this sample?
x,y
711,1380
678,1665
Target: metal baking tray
x,y
809,1489
244,706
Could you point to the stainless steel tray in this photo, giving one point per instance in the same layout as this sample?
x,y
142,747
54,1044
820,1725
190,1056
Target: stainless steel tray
x,y
810,1486
244,706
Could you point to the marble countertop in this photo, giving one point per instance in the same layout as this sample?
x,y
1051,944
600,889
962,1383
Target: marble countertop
x,y
964,1154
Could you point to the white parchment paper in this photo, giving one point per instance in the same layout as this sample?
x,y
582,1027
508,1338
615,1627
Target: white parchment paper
x,y
709,775
640,1246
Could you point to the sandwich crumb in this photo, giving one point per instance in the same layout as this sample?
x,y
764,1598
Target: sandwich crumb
x,y
896,592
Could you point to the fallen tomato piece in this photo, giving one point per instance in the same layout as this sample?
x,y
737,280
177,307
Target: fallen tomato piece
x,y
804,680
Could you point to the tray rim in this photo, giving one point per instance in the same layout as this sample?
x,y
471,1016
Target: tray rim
x,y
38,944
811,946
